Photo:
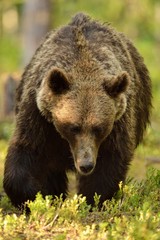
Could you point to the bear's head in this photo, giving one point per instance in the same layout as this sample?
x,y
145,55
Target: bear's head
x,y
83,111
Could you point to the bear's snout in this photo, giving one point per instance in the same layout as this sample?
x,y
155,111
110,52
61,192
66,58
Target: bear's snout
x,y
85,164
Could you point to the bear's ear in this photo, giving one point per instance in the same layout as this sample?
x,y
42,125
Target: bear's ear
x,y
117,85
58,82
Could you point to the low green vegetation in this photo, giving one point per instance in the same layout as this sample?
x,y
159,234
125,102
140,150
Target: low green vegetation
x,y
133,214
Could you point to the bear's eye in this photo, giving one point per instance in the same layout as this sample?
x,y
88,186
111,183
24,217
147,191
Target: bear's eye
x,y
74,129
98,130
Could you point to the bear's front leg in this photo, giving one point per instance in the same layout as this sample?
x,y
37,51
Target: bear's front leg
x,y
21,180
26,174
97,182
55,184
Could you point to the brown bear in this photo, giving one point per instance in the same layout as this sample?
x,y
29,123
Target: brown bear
x,y
83,104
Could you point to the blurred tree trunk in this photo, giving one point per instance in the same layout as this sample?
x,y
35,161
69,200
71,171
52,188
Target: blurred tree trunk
x,y
9,95
36,20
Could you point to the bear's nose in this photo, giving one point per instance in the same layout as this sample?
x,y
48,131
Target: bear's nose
x,y
86,168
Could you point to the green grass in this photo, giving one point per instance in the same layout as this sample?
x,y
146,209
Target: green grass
x,y
135,214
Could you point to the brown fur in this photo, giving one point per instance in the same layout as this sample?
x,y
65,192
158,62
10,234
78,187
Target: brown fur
x,y
86,93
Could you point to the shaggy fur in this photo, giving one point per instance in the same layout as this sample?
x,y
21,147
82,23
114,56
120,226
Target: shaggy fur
x,y
83,104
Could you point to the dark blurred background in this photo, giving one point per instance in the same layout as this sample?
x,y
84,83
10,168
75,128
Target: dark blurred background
x,y
23,24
